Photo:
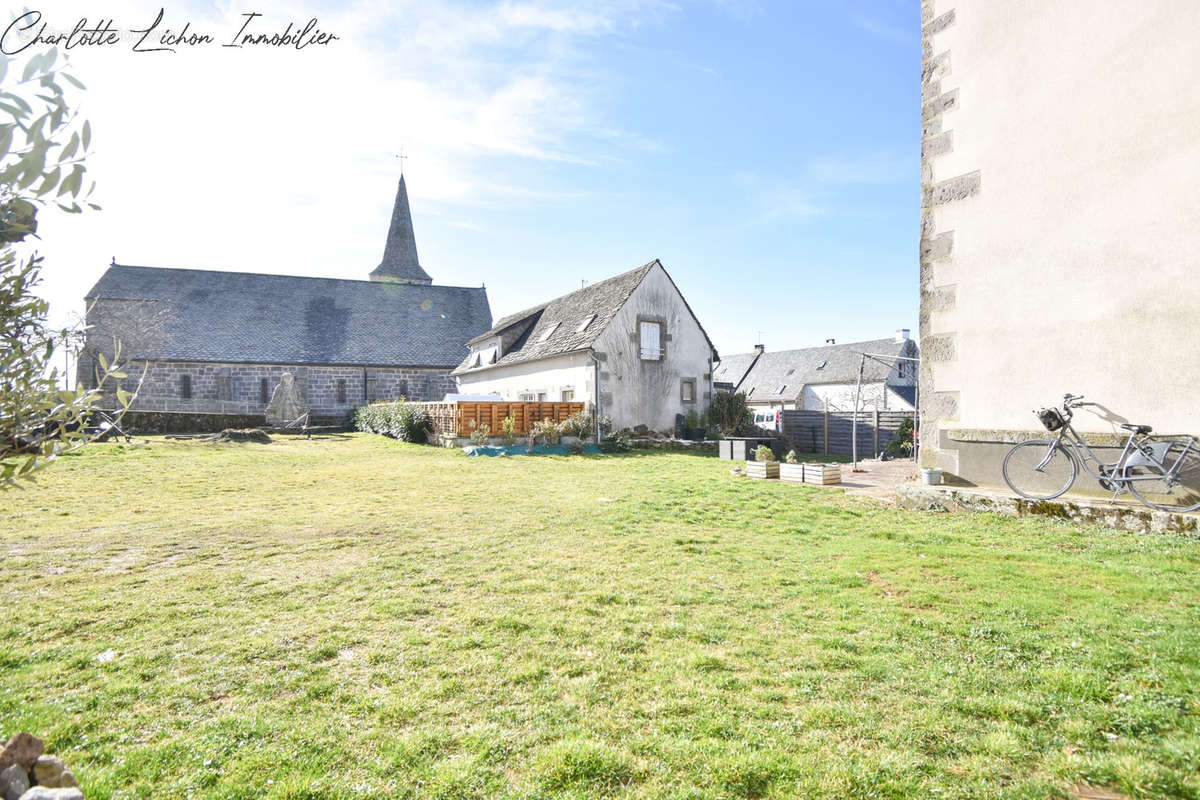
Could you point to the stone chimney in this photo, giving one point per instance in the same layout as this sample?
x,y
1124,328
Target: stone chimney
x,y
760,348
901,335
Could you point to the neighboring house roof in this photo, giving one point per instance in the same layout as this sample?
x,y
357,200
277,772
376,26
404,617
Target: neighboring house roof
x,y
400,252
281,319
792,370
906,393
732,369
561,319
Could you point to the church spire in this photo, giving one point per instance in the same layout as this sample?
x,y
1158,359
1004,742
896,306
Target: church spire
x,y
400,263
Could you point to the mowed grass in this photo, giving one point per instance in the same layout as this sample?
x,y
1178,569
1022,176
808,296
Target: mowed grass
x,y
358,618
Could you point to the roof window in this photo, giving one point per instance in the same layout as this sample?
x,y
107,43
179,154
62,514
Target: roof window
x,y
586,321
549,331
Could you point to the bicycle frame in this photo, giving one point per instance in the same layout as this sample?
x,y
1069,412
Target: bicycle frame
x,y
1079,450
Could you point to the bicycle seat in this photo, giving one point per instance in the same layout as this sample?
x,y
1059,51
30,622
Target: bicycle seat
x,y
1143,429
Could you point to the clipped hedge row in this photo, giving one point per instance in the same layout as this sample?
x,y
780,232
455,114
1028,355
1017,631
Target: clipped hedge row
x,y
399,420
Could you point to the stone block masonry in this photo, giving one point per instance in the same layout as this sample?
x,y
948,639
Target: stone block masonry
x,y
226,388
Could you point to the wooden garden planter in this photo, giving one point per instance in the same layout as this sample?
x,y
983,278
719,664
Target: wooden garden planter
x,y
822,473
791,472
762,469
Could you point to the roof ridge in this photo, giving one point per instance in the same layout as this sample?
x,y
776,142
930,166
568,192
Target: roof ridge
x,y
281,275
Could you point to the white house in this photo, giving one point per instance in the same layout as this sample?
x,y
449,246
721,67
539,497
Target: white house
x,y
628,346
810,378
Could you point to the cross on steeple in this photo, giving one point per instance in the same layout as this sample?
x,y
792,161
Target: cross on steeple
x,y
401,156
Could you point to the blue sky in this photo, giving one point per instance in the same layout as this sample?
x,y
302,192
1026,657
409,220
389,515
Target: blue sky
x,y
767,153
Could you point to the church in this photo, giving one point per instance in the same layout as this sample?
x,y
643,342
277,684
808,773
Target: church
x,y
214,342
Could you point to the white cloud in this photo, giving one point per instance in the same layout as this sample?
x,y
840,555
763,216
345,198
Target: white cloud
x,y
283,161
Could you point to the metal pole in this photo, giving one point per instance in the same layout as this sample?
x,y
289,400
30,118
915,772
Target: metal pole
x,y
854,422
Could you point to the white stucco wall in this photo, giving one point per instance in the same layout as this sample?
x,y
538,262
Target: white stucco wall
x,y
1074,266
549,376
636,392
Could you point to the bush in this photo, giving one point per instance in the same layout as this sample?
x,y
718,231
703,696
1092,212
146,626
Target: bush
x,y
790,457
578,424
480,433
508,427
763,453
902,445
615,442
401,420
730,414
547,430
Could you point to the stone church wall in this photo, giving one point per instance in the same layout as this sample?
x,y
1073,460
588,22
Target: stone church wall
x,y
218,388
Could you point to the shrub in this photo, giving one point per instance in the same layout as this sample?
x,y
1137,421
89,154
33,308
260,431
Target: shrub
x,y
903,443
578,424
547,430
401,420
693,420
615,442
729,413
763,453
480,433
509,427
790,457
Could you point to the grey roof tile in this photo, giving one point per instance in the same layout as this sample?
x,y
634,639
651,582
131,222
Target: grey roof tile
x,y
602,299
795,369
247,317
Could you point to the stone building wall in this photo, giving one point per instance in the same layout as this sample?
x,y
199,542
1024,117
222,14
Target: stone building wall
x,y
330,391
1058,243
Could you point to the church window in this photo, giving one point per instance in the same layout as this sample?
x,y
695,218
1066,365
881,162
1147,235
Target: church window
x,y
549,331
371,391
341,391
264,391
185,387
224,387
586,321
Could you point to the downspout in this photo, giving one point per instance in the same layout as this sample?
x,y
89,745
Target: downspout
x,y
596,385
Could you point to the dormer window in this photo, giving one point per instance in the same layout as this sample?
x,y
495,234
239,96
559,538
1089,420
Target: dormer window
x,y
478,360
492,360
549,331
584,324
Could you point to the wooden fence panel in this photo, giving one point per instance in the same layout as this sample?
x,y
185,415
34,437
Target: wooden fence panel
x,y
524,415
833,431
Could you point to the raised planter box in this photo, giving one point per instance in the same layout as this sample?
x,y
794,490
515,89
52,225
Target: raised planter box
x,y
762,469
824,474
741,448
791,472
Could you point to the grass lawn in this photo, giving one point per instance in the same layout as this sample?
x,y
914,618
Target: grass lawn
x,y
358,618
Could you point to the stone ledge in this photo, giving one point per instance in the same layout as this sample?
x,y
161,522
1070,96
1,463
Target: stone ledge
x,y
920,497
1010,436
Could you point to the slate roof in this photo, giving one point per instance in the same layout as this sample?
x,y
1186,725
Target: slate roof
x,y
732,369
603,298
400,252
795,369
280,319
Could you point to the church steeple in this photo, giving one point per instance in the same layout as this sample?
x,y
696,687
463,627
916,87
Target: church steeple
x,y
400,263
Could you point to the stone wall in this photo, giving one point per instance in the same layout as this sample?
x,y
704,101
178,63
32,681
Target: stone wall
x,y
220,388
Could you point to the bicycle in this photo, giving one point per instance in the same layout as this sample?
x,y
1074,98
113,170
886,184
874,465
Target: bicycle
x,y
1163,472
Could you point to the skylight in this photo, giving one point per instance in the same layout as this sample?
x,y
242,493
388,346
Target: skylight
x,y
781,389
549,331
586,321
822,365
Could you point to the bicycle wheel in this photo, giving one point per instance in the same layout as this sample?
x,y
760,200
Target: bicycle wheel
x,y
1023,476
1175,487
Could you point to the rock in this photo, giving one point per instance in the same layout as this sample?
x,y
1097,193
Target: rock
x,y
48,771
23,749
46,793
14,782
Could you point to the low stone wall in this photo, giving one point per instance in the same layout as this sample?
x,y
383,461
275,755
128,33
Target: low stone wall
x,y
145,422
920,497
